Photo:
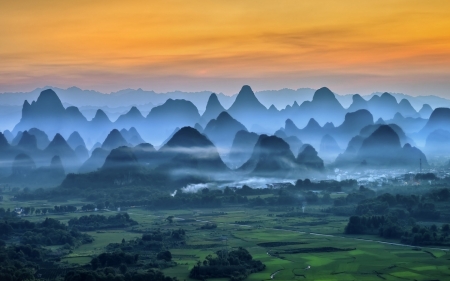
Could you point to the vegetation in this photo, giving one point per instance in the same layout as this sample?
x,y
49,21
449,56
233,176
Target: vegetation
x,y
94,222
236,265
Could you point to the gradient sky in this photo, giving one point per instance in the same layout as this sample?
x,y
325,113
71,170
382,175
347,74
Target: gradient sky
x,y
350,46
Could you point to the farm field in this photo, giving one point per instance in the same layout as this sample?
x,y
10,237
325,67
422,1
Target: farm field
x,y
298,246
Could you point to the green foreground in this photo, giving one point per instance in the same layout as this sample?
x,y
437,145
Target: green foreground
x,y
313,246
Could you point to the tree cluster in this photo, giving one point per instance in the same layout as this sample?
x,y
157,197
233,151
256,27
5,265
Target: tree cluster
x,y
235,265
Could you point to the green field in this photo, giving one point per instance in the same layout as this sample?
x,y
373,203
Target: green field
x,y
300,256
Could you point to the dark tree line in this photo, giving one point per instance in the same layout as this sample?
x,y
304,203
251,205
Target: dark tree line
x,y
236,265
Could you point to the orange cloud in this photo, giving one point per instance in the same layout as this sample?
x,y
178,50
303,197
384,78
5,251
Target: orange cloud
x,y
350,46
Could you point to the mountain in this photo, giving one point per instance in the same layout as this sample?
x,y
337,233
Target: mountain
x,y
294,143
329,148
380,121
349,156
213,109
311,133
242,148
309,158
121,158
46,113
56,167
132,136
165,118
198,127
23,166
437,143
189,153
221,131
439,119
368,130
27,142
271,157
59,147
94,162
146,154
74,120
75,140
247,108
384,106
114,140
323,101
380,146
41,137
358,103
290,129
352,125
425,111
405,108
132,118
24,171
8,135
102,121
408,124
383,148
82,153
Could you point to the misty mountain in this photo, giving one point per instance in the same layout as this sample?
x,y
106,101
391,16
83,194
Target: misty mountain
x,y
212,111
242,148
121,158
8,135
308,157
271,157
439,119
23,166
221,131
95,162
383,106
59,147
247,108
24,171
82,153
198,127
146,154
437,143
425,111
329,148
295,144
164,118
323,101
130,119
368,130
114,140
75,140
189,153
132,136
408,124
382,148
41,137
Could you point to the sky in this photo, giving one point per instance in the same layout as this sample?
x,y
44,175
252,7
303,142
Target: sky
x,y
350,46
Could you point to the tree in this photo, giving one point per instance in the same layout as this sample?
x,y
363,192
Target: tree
x,y
123,268
95,262
164,255
169,219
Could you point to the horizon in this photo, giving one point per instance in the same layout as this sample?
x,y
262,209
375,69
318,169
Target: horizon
x,y
396,46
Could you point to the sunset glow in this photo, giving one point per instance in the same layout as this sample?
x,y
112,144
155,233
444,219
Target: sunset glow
x,y
349,46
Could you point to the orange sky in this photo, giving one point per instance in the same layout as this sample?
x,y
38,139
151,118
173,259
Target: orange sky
x,y
349,46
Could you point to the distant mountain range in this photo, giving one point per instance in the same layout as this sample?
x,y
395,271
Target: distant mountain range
x,y
117,103
175,140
